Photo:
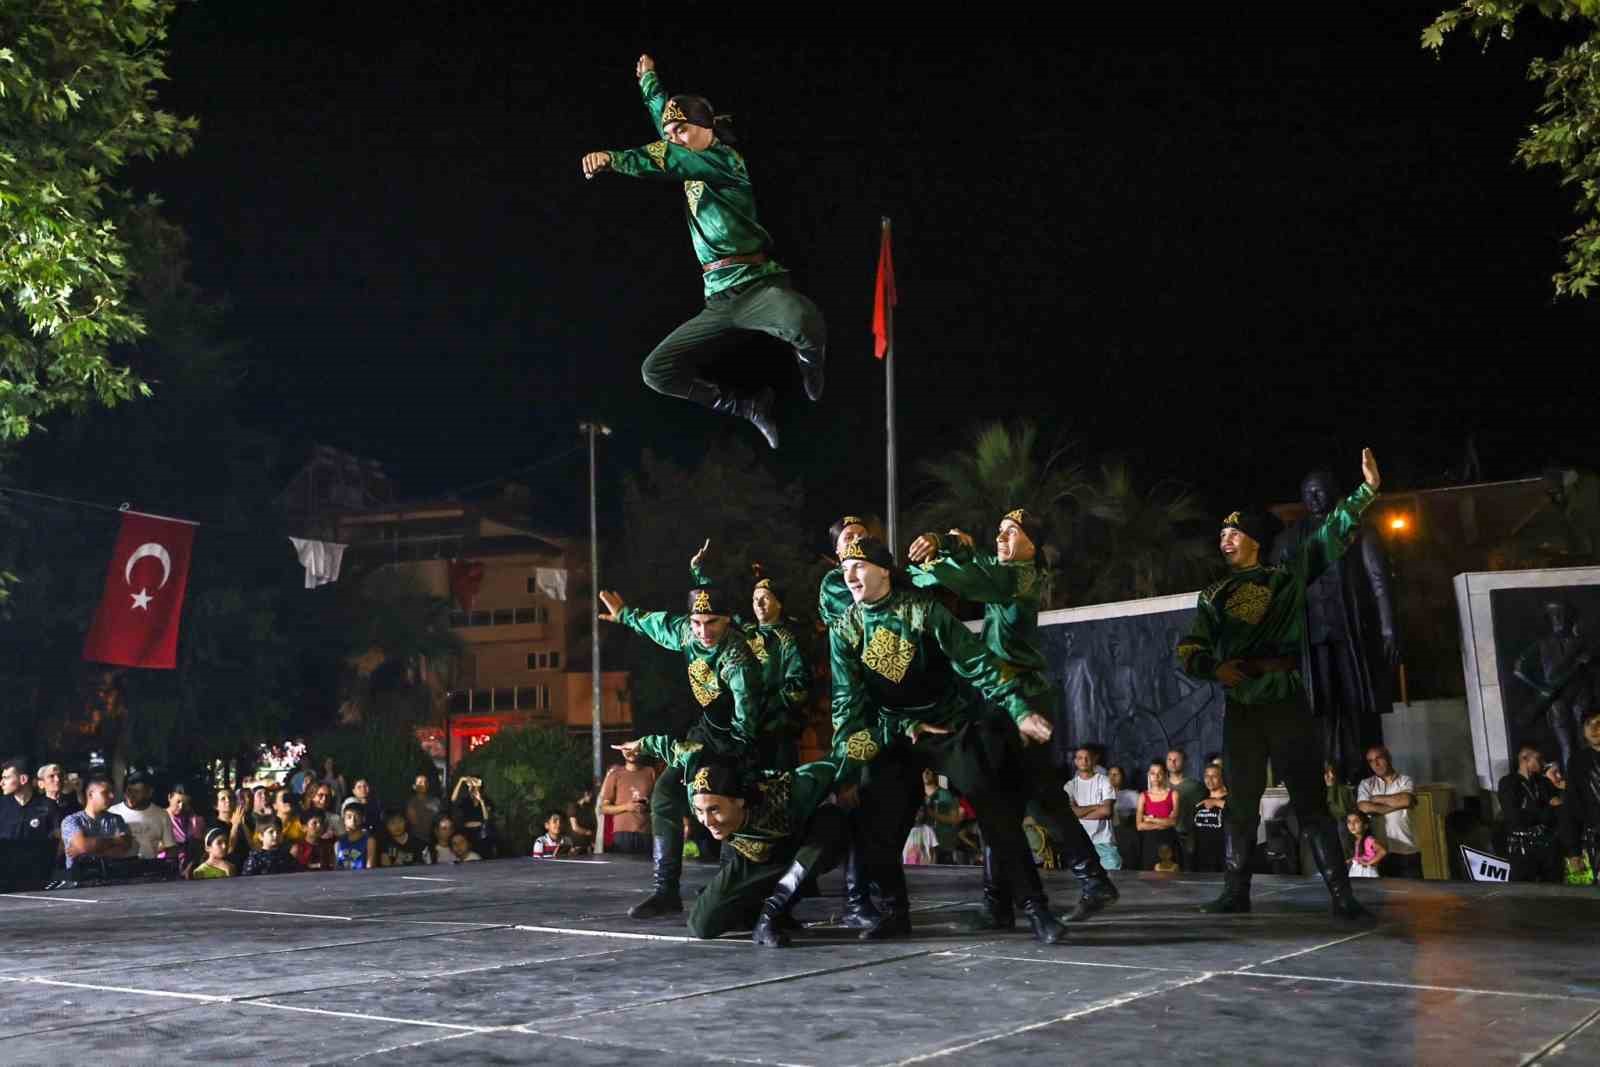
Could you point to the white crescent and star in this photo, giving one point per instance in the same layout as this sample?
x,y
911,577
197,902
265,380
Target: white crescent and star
x,y
142,598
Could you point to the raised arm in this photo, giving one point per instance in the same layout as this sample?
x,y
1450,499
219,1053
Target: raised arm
x,y
1328,543
668,631
971,575
974,662
718,165
650,91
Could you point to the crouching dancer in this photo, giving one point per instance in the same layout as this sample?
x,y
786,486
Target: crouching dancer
x,y
778,831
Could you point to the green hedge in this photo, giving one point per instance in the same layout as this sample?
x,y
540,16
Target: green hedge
x,y
526,773
388,757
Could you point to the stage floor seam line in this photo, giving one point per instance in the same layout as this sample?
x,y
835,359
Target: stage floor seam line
x,y
1112,1002
526,1028
1562,1039
431,1040
1423,986
1314,948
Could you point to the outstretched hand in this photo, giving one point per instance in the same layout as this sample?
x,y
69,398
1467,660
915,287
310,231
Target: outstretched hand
x,y
1369,469
629,749
694,560
1035,728
594,163
644,66
614,605
923,548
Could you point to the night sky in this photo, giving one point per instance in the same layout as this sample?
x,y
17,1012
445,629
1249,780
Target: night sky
x,y
1232,249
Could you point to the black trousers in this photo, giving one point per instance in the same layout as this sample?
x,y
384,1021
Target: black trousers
x,y
1535,857
1397,865
767,305
1286,734
733,899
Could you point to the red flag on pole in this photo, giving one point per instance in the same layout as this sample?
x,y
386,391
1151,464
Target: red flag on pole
x,y
136,624
883,297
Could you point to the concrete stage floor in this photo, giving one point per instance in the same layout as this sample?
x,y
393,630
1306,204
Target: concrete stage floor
x,y
525,961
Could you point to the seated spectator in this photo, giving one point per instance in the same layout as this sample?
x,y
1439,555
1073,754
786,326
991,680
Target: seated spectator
x,y
216,863
1157,817
1365,851
49,782
1209,815
1390,794
292,827
553,842
273,856
356,849
319,797
1166,862
444,828
314,852
461,849
28,830
371,810
150,826
471,811
399,847
96,840
421,809
188,829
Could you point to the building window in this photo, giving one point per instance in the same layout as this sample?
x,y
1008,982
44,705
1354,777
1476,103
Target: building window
x,y
555,661
503,617
544,661
480,618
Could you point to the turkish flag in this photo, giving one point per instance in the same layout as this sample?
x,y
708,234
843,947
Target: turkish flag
x,y
883,297
137,622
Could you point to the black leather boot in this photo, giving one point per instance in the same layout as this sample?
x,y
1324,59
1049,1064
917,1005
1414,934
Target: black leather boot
x,y
756,406
895,917
1097,892
1047,929
811,364
859,912
1328,855
774,922
997,912
667,853
1235,898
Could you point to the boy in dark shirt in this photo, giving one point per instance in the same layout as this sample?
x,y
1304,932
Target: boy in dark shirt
x,y
272,857
399,847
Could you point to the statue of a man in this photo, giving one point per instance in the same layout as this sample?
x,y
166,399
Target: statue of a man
x,y
1557,666
1351,644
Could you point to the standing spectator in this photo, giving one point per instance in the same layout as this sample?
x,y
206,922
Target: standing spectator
x,y
399,847
28,830
1094,803
1580,802
421,809
315,850
49,782
188,830
942,812
96,837
580,819
216,863
371,810
1531,808
1157,817
1208,819
1391,794
334,781
1190,793
150,826
356,849
472,812
273,856
1365,851
625,795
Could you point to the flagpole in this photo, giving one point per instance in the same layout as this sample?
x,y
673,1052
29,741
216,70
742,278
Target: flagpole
x,y
893,509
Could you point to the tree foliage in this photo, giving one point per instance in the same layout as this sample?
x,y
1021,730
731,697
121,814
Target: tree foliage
x,y
77,101
1567,133
527,773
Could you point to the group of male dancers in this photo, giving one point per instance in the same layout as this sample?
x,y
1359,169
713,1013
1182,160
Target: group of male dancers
x,y
895,656
896,652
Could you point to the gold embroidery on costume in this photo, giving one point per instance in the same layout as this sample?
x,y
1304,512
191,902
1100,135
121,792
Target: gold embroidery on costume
x,y
681,749
1231,520
703,682
1015,516
694,191
758,645
889,654
853,551
861,747
1027,581
673,112
1249,603
702,602
851,520
765,583
658,154
702,780
751,849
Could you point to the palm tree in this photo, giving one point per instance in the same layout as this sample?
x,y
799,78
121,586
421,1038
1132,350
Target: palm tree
x,y
1131,544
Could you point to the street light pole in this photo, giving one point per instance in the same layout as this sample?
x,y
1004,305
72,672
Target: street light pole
x,y
592,428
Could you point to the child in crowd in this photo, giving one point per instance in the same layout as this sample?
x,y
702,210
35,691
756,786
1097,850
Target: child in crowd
x,y
1166,862
216,864
272,857
553,842
314,852
288,813
444,828
1368,851
399,847
461,849
355,850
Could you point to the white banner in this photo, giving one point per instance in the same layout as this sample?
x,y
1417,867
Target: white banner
x,y
551,582
1484,867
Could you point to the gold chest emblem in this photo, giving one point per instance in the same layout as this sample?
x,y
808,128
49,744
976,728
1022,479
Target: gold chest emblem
x,y
693,191
1249,603
889,654
758,645
703,682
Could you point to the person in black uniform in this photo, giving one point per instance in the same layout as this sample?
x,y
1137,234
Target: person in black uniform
x,y
1531,808
28,830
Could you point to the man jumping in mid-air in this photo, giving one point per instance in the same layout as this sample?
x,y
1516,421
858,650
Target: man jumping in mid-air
x,y
745,288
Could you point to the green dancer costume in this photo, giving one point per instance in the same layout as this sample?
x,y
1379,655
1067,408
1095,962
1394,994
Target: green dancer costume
x,y
1246,635
745,288
1009,593
725,681
786,835
895,657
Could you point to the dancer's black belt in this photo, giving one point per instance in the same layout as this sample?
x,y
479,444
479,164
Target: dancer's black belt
x,y
728,261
